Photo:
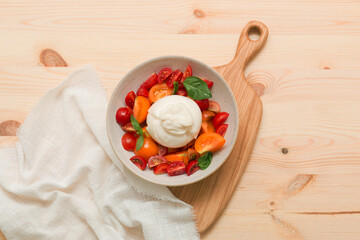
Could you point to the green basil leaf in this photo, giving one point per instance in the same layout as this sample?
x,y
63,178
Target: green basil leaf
x,y
176,87
197,89
136,125
139,142
205,160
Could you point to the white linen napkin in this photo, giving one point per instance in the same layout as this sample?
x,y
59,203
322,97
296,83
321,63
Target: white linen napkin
x,y
62,180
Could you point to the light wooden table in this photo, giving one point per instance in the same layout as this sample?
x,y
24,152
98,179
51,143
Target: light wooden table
x,y
303,179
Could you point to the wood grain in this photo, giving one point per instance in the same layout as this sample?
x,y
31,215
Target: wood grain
x,y
210,196
308,74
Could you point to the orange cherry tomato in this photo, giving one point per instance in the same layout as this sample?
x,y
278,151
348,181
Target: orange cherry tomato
x,y
179,156
159,91
141,107
207,125
209,142
193,154
149,149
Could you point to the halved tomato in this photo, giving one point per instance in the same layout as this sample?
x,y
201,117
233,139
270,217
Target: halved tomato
x,y
209,142
207,115
141,107
220,118
193,154
162,150
175,77
148,149
187,73
159,91
140,162
128,128
192,167
156,160
130,99
164,74
176,168
209,83
160,169
214,107
206,124
203,104
178,157
142,91
222,129
150,82
182,91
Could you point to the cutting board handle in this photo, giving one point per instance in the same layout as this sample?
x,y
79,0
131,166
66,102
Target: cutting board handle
x,y
246,47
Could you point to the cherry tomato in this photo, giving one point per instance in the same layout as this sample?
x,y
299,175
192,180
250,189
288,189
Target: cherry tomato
x,y
156,160
150,82
148,149
192,167
220,118
209,142
130,99
187,73
159,91
128,141
209,83
164,74
141,107
123,115
142,92
214,107
128,127
178,157
182,91
175,77
192,153
203,104
222,129
176,168
162,150
160,169
140,162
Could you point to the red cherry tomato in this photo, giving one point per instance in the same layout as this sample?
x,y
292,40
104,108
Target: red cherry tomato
x,y
209,83
123,115
162,150
160,169
219,119
130,99
187,73
139,162
203,104
175,77
176,168
142,92
150,82
222,129
182,91
192,167
128,141
164,74
156,160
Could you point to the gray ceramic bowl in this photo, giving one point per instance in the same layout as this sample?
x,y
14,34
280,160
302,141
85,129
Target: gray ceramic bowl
x,y
131,82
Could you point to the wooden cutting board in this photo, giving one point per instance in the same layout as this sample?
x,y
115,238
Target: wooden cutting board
x,y
210,196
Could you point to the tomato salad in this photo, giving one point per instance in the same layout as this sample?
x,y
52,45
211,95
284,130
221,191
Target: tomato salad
x,y
188,159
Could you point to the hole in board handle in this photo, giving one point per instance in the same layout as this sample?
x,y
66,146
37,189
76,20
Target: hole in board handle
x,y
254,33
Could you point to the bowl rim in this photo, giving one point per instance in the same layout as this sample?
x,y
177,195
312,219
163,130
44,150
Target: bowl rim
x,y
198,62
